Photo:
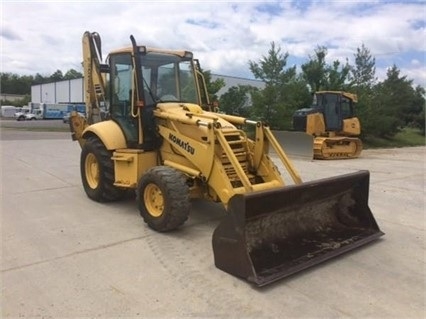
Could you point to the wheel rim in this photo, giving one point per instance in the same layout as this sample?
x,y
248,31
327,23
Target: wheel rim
x,y
92,171
154,200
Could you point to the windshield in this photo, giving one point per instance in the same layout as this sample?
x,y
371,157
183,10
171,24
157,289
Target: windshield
x,y
168,78
165,78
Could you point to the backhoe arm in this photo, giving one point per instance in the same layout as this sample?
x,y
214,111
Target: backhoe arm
x,y
94,81
94,86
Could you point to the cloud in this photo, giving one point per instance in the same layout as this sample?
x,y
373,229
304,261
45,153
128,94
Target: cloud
x,y
9,34
41,37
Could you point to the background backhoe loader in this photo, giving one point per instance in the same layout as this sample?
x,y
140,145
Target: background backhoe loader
x,y
332,122
161,141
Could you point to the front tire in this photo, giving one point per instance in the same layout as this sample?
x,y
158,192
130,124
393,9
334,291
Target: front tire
x,y
97,172
163,198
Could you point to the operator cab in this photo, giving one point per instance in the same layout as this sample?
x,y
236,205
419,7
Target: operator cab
x,y
164,77
335,107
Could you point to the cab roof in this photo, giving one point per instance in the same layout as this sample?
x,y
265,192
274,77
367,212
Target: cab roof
x,y
181,53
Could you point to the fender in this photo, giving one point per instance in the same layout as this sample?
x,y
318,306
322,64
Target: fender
x,y
109,133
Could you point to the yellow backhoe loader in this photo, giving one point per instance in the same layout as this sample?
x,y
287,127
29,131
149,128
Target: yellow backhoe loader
x,y
332,123
161,141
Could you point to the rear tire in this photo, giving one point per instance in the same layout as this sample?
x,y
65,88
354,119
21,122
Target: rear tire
x,y
163,198
97,172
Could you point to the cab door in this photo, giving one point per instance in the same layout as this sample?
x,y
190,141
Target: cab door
x,y
121,96
332,112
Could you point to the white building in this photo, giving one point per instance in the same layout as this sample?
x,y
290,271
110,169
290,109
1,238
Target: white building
x,y
72,91
67,91
231,81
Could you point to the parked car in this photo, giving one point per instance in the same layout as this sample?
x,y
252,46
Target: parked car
x,y
66,118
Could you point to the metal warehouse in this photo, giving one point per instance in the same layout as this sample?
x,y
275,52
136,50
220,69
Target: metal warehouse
x,y
71,91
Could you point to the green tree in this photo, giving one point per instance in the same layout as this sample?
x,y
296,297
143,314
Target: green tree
x,y
362,74
270,69
275,102
314,71
6,83
56,76
237,100
321,76
39,79
297,95
72,74
395,104
416,110
16,84
337,76
362,81
213,86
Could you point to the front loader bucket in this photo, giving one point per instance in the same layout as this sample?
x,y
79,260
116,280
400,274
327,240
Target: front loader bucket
x,y
273,234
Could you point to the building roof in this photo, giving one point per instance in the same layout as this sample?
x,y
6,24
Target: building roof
x,y
231,81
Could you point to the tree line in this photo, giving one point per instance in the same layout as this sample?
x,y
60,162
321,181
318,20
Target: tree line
x,y
21,85
384,107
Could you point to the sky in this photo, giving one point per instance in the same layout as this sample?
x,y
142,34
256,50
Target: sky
x,y
45,36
